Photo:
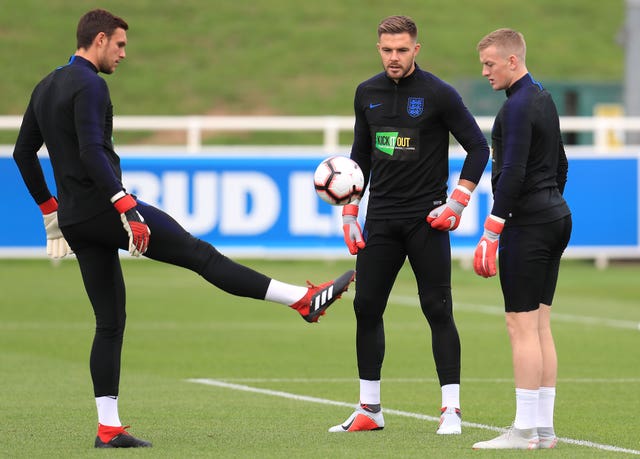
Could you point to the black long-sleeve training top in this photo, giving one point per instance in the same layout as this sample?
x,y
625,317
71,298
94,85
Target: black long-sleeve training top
x,y
70,111
529,169
401,137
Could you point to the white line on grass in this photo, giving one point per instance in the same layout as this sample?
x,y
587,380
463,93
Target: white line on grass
x,y
399,299
428,380
499,311
424,417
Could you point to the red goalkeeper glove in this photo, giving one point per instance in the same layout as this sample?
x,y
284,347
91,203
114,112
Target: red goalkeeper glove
x,y
132,222
351,227
57,246
484,258
447,216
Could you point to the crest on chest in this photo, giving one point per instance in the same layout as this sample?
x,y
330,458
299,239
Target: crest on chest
x,y
415,106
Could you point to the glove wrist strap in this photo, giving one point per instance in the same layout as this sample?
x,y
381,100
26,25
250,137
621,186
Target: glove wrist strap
x,y
350,209
461,194
123,203
494,224
49,206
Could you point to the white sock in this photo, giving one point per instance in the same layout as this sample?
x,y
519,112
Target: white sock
x,y
546,402
451,395
526,408
108,411
370,392
279,292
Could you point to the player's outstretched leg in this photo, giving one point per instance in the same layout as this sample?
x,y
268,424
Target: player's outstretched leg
x,y
320,297
117,437
364,418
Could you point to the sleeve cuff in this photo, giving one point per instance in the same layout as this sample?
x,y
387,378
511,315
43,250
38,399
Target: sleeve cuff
x,y
49,206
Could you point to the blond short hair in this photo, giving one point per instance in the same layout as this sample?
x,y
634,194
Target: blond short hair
x,y
508,40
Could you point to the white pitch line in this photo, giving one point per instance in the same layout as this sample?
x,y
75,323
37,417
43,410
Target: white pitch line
x,y
499,311
403,300
427,380
424,417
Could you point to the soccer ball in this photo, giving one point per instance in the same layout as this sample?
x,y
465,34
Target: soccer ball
x,y
338,180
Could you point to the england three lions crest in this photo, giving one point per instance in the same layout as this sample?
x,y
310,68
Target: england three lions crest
x,y
415,106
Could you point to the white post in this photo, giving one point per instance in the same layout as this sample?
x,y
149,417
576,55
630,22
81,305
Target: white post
x,y
194,135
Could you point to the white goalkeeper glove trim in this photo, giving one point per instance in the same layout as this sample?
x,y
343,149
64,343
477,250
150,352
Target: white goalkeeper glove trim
x,y
118,195
57,246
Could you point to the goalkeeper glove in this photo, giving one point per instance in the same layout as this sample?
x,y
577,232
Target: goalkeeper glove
x,y
484,258
351,227
132,222
447,216
57,246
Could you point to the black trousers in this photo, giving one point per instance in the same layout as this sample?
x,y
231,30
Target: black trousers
x,y
388,244
96,243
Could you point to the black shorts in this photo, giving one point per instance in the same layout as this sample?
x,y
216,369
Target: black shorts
x,y
529,261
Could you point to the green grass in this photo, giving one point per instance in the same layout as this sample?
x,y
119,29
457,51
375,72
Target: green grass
x,y
285,57
179,327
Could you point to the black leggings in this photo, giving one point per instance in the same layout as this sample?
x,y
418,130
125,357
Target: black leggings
x,y
388,244
96,243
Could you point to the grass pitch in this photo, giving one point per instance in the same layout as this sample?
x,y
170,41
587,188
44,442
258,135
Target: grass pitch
x,y
276,383
286,57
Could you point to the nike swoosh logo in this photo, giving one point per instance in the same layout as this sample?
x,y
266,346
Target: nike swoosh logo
x,y
483,246
348,426
483,260
372,106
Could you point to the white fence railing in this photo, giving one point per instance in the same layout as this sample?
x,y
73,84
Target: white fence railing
x,y
608,132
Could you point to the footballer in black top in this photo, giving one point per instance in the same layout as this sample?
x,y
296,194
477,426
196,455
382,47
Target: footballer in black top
x,y
530,226
404,117
70,111
402,135
85,165
529,169
529,173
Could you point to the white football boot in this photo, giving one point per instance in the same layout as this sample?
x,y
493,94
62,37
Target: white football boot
x,y
547,437
450,421
362,419
512,439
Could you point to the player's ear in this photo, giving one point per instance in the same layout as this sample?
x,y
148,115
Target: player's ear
x,y
100,39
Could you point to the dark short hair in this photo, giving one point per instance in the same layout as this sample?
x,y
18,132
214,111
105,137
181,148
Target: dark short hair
x,y
398,24
94,22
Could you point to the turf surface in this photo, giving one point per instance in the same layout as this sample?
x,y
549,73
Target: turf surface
x,y
265,362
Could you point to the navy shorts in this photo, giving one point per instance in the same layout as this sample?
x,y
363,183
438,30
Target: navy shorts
x,y
529,261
